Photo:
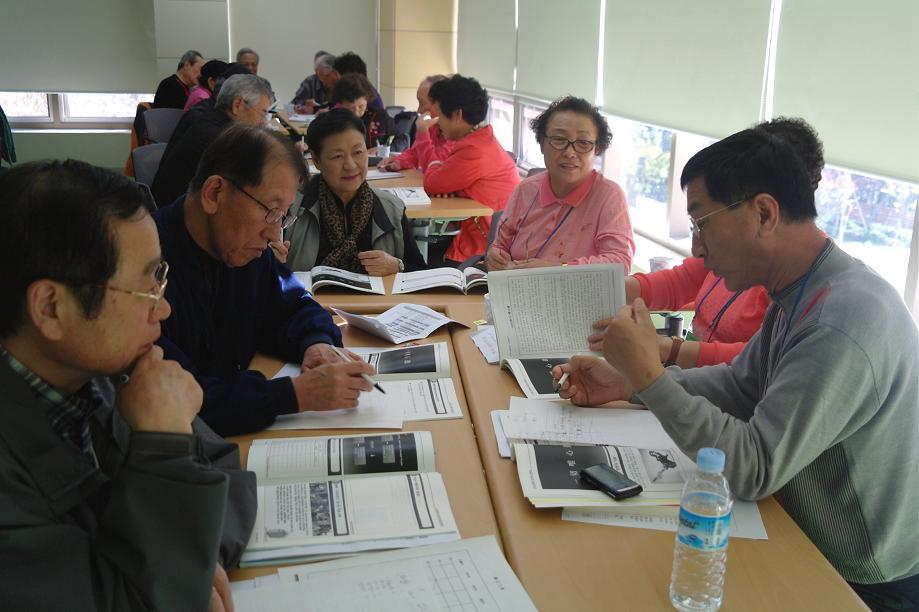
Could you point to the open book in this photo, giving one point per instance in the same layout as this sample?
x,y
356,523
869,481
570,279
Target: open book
x,y
535,375
461,280
550,312
332,515
423,361
410,196
321,276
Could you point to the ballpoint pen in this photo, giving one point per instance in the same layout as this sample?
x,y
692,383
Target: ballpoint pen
x,y
344,357
561,381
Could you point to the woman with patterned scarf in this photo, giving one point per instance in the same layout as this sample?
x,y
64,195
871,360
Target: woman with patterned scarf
x,y
341,221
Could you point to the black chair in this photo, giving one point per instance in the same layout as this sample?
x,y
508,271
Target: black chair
x,y
479,260
392,111
402,139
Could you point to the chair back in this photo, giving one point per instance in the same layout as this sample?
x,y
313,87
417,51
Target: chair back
x,y
392,111
146,161
161,123
493,230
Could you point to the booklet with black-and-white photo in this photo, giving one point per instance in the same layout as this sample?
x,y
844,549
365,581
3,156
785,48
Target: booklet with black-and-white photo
x,y
420,361
322,276
535,375
451,278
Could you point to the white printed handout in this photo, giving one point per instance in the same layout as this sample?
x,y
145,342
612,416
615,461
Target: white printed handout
x,y
469,574
374,174
407,362
401,323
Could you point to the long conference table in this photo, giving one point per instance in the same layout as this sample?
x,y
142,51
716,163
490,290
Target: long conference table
x,y
566,565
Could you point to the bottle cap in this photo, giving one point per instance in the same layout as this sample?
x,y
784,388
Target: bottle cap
x,y
710,460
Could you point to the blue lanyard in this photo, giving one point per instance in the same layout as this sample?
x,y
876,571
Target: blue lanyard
x,y
551,234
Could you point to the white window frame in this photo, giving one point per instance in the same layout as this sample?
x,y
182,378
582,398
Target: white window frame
x,y
58,119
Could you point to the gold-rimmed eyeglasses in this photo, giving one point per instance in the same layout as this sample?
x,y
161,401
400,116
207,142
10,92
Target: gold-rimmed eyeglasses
x,y
272,215
696,225
159,275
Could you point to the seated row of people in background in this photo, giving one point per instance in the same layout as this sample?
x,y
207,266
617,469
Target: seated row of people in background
x,y
341,221
248,59
207,82
242,98
354,92
314,90
113,494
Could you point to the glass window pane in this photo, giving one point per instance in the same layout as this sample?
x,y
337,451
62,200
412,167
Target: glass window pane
x,y
501,118
645,159
870,218
109,106
531,154
24,104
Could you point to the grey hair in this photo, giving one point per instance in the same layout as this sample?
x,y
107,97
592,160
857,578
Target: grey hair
x,y
326,61
189,58
319,54
243,51
249,87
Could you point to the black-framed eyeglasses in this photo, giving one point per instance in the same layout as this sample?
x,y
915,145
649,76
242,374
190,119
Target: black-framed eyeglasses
x,y
696,225
581,145
272,215
159,275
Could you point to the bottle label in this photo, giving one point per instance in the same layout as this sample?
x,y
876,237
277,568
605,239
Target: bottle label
x,y
708,533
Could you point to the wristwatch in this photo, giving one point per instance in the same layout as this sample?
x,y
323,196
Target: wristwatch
x,y
674,351
401,265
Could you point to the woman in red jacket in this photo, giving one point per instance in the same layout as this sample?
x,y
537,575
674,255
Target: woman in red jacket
x,y
477,168
724,320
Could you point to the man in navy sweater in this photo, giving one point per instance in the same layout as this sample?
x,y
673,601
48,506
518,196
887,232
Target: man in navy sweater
x,y
231,298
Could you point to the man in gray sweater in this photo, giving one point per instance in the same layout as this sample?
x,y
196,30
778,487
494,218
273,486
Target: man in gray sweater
x,y
822,407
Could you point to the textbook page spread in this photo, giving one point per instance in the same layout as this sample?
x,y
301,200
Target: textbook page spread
x,y
550,474
287,460
549,312
451,278
421,361
469,574
323,513
321,276
535,375
401,323
410,196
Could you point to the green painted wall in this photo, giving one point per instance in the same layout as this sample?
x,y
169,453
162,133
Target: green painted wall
x,y
106,148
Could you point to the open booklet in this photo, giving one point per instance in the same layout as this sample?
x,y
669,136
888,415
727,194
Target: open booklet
x,y
535,375
423,361
337,494
322,276
469,574
461,280
550,312
401,323
550,474
410,196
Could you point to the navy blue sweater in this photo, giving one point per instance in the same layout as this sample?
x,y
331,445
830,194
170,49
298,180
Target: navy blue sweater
x,y
221,316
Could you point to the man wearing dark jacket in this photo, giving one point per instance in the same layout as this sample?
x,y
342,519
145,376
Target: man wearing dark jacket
x,y
231,297
172,92
244,97
111,494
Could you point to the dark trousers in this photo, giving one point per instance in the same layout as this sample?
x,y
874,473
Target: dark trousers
x,y
890,596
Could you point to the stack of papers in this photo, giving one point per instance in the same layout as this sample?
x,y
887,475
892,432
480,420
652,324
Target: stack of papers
x,y
326,497
465,575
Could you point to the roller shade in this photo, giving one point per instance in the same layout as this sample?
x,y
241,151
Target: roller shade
x,y
486,42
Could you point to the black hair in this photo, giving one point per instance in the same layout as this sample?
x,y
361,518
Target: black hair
x,y
461,93
351,87
750,162
540,124
211,70
803,139
349,63
241,152
327,124
56,223
233,68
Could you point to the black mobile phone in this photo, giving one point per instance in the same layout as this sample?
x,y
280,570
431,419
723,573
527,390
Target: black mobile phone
x,y
612,482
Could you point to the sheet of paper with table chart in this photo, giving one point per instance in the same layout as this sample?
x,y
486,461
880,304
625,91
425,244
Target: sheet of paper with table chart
x,y
468,575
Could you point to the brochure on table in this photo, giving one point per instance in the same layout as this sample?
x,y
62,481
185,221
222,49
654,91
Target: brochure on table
x,y
451,278
322,276
410,196
401,323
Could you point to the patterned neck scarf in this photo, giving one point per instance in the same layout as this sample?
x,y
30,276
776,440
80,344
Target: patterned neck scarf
x,y
343,230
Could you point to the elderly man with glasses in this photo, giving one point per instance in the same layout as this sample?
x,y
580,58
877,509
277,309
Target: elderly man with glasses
x,y
231,297
113,495
820,409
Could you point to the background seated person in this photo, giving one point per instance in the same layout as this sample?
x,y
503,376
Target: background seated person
x,y
172,92
248,58
352,92
231,297
569,214
341,221
428,142
314,90
210,72
478,167
243,98
724,320
113,496
352,63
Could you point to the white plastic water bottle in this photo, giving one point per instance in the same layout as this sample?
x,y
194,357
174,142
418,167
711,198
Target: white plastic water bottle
x,y
697,582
